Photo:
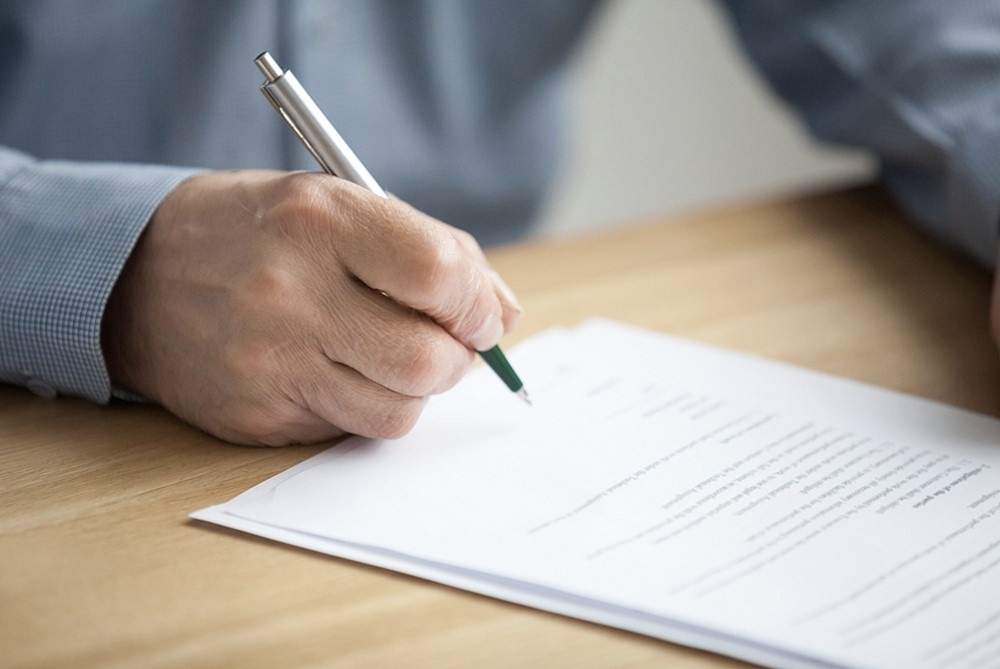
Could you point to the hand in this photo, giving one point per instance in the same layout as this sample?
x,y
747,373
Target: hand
x,y
256,306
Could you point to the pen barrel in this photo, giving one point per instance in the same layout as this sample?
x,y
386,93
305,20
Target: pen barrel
x,y
498,362
318,134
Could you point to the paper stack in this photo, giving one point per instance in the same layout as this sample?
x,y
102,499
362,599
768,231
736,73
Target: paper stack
x,y
697,495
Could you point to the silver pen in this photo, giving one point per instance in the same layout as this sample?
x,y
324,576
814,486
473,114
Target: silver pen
x,y
336,158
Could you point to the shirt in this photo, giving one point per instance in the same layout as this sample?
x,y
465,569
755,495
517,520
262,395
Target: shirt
x,y
454,105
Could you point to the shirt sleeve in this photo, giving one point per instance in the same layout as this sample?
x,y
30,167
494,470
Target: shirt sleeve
x,y
66,230
915,82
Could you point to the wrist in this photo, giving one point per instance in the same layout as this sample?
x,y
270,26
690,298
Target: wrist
x,y
119,337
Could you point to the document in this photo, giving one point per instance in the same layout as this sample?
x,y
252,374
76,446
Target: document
x,y
701,496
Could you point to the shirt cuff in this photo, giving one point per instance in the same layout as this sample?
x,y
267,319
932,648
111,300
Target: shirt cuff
x,y
66,230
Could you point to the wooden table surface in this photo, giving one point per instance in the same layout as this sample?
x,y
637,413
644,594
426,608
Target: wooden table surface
x,y
99,565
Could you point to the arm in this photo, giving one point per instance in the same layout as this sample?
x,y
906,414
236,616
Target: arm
x,y
917,83
66,230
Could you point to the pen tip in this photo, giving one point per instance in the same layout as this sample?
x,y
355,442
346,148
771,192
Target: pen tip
x,y
523,394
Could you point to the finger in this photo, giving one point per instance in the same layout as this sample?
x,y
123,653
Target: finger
x,y
415,259
512,309
343,397
392,345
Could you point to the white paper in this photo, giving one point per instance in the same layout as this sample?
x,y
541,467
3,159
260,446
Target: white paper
x,y
713,499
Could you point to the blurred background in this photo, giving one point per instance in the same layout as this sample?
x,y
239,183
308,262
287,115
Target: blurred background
x,y
667,115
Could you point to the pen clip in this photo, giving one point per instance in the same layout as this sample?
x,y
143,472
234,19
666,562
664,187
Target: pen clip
x,y
295,128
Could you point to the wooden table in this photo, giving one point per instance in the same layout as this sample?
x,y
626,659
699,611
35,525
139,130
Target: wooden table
x,y
100,566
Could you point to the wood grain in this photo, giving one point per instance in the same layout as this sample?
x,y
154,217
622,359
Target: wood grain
x,y
100,566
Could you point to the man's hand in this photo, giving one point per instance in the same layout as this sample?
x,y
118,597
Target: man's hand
x,y
274,308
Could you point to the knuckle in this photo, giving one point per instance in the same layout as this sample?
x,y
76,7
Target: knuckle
x,y
356,204
271,286
425,362
304,198
395,419
303,188
435,261
250,358
241,360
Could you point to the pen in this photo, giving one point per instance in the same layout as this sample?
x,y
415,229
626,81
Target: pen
x,y
336,158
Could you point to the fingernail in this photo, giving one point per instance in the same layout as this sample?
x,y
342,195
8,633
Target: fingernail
x,y
506,293
488,334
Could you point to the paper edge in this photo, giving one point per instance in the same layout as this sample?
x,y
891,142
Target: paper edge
x,y
738,647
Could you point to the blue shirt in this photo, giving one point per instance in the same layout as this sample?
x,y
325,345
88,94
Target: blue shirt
x,y
454,105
